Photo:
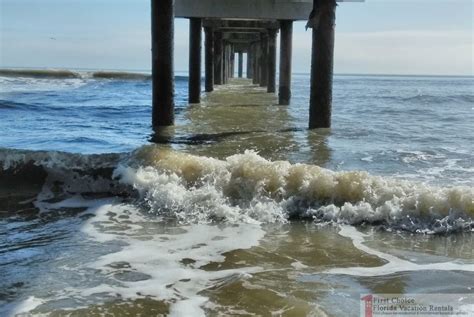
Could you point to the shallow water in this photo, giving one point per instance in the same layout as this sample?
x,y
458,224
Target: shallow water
x,y
238,209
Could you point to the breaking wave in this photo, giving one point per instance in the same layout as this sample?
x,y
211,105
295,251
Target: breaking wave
x,y
121,75
68,74
244,188
39,73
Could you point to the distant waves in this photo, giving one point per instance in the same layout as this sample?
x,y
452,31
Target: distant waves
x,y
64,74
39,73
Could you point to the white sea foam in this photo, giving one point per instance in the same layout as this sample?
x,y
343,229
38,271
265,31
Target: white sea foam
x,y
393,264
24,307
246,187
23,84
161,257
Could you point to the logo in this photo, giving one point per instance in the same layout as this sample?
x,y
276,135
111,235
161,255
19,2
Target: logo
x,y
367,303
415,305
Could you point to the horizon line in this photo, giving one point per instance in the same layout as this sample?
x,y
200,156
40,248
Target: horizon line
x,y
186,71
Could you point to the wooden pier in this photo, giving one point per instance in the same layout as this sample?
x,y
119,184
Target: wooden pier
x,y
243,27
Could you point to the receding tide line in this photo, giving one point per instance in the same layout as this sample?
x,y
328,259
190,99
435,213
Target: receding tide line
x,y
393,265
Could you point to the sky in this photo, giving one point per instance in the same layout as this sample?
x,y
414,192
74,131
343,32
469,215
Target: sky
x,y
433,37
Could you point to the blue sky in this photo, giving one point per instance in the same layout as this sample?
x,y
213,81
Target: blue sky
x,y
378,36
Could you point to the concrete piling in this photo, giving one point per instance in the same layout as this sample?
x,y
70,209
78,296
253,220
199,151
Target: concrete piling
x,y
263,60
249,62
195,25
229,65
322,64
225,63
232,61
271,70
232,27
241,62
256,67
209,59
162,34
218,73
286,39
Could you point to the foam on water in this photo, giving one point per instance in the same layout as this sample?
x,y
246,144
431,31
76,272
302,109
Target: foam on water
x,y
247,187
175,279
394,264
38,85
23,308
156,260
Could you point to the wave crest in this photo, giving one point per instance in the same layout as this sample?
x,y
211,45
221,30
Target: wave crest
x,y
247,187
243,188
39,73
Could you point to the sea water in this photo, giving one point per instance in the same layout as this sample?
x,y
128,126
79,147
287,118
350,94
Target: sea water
x,y
237,210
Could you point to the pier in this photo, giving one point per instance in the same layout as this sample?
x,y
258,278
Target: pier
x,y
247,27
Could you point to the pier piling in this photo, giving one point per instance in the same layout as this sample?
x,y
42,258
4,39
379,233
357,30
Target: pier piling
x,y
286,43
256,66
195,25
249,61
218,73
263,60
162,34
322,64
241,62
225,63
232,61
244,27
209,59
271,71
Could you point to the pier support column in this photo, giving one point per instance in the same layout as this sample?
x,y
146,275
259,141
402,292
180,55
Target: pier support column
x,y
256,67
271,71
322,64
228,63
162,38
218,73
241,62
286,39
195,25
250,62
263,60
209,59
232,61
225,63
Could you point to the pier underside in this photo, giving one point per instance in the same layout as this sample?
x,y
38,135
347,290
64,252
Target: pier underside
x,y
249,27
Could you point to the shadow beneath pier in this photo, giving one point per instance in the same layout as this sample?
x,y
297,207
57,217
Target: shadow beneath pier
x,y
205,138
240,116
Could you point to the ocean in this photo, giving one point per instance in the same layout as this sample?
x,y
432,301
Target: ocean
x,y
238,209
